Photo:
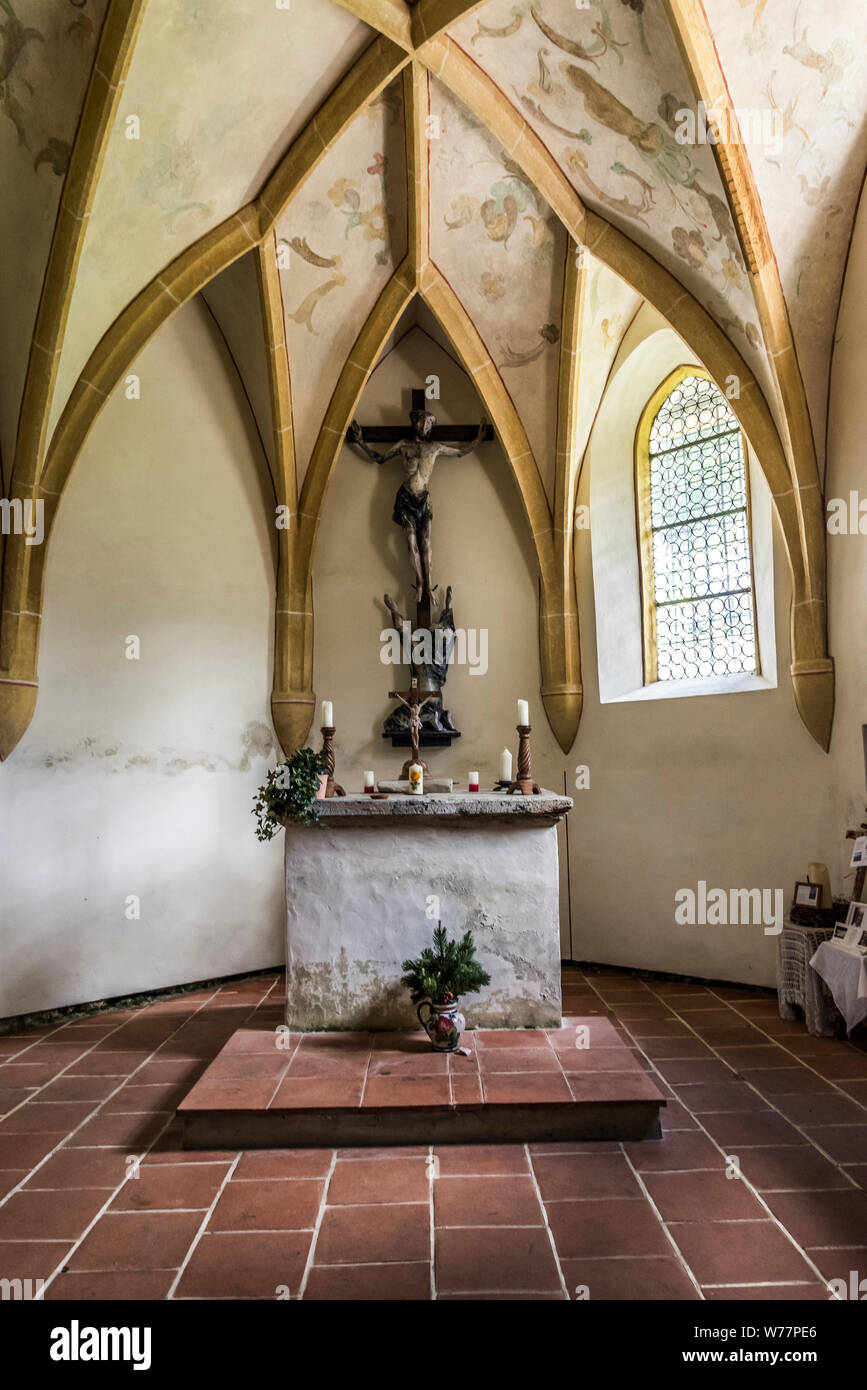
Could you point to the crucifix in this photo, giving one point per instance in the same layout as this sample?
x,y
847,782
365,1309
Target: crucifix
x,y
415,704
418,453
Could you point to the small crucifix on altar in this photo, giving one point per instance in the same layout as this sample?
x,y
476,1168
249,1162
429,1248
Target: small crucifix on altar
x,y
412,698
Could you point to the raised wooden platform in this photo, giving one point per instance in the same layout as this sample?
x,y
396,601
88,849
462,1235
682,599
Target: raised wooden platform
x,y
270,1089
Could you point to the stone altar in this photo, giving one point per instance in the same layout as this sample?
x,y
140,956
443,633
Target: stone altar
x,y
358,886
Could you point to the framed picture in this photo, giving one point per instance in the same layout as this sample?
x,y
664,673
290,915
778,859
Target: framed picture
x,y
861,939
857,915
808,895
859,853
841,933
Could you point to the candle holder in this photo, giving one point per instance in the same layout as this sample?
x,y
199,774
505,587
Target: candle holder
x,y
332,788
523,784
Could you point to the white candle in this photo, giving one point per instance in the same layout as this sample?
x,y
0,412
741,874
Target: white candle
x,y
523,712
327,714
369,782
474,781
505,766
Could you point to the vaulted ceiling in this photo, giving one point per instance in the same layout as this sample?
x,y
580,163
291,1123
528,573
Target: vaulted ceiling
x,y
316,168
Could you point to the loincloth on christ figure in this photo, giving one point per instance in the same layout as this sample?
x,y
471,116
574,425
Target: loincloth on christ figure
x,y
411,509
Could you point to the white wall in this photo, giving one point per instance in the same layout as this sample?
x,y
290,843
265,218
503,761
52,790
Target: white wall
x,y
729,789
136,777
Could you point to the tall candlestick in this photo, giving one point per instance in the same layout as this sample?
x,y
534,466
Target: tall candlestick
x,y
523,712
524,782
505,766
332,788
328,714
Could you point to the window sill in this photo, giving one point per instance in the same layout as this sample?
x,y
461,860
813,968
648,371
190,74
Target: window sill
x,y
682,690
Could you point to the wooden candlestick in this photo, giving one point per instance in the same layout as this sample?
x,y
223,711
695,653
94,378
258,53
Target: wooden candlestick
x,y
332,788
523,784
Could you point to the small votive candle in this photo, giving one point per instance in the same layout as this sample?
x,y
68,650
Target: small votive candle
x,y
474,781
369,782
327,714
505,766
523,712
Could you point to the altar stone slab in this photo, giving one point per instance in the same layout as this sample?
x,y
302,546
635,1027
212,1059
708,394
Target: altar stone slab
x,y
358,903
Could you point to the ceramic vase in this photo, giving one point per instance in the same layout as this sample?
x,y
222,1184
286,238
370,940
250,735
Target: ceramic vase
x,y
443,1025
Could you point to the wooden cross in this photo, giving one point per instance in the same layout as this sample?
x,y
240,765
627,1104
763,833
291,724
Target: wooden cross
x,y
415,704
446,434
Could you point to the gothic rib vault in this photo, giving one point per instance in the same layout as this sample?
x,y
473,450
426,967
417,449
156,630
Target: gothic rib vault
x,y
523,170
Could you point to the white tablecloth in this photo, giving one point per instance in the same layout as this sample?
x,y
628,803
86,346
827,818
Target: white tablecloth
x,y
845,974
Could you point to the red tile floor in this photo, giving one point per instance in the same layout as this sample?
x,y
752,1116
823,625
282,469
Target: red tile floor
x,y
97,1198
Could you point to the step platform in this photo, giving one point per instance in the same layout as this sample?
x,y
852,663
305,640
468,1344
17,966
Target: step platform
x,y
270,1088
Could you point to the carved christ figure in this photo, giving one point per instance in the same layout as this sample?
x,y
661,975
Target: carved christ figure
x,y
412,508
415,704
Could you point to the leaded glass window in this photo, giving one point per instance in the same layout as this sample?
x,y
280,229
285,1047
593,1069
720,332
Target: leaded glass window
x,y
694,523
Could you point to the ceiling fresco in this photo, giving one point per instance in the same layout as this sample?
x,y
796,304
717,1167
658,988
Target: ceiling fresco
x,y
219,92
601,84
339,241
503,251
803,62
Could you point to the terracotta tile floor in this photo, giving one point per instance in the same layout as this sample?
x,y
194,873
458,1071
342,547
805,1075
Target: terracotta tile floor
x,y
758,1188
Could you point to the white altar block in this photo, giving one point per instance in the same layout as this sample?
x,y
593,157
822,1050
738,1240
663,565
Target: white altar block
x,y
366,886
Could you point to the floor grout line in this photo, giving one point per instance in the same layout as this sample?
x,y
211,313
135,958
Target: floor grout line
x,y
551,1241
209,1211
320,1216
433,1165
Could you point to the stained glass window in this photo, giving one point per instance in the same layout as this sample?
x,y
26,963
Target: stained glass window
x,y
694,517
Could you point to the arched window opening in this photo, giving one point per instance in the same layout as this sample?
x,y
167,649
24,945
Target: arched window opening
x,y
692,492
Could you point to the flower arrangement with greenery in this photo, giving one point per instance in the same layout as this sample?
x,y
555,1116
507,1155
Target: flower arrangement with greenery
x,y
289,793
446,972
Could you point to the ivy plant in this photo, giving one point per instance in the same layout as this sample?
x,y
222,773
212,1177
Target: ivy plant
x,y
289,793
